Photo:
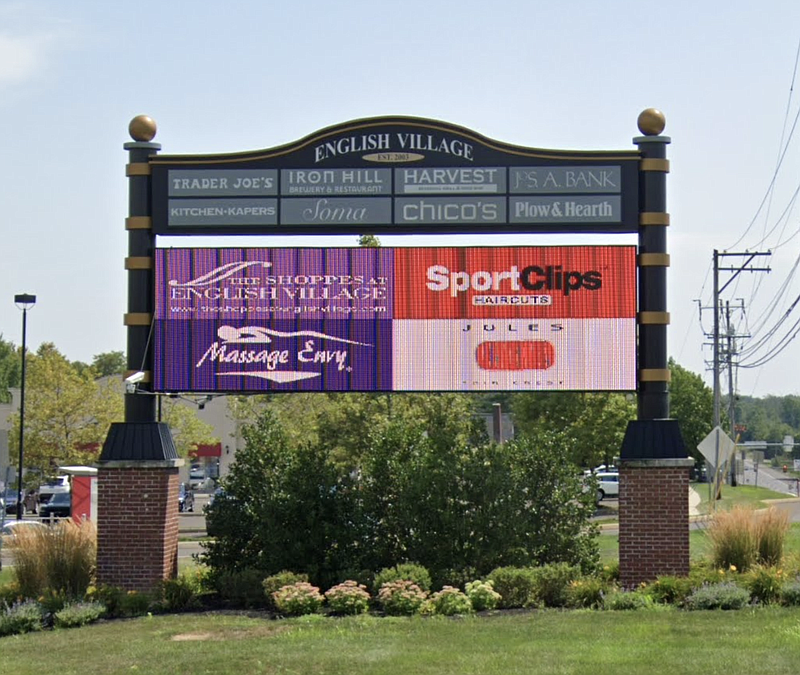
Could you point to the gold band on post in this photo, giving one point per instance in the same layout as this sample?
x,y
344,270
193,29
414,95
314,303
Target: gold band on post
x,y
653,218
654,260
654,165
137,319
137,169
653,318
138,263
655,375
138,223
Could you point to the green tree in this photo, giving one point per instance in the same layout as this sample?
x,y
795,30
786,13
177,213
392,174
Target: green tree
x,y
595,421
109,363
188,430
423,490
10,365
368,241
692,404
67,412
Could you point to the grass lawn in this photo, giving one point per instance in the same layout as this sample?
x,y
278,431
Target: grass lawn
x,y
763,641
741,495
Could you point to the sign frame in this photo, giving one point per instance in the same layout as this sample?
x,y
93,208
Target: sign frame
x,y
396,175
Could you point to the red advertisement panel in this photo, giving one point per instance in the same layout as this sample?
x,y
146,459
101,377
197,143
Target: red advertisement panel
x,y
569,282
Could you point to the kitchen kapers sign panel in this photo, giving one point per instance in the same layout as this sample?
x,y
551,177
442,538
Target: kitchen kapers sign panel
x,y
395,175
405,319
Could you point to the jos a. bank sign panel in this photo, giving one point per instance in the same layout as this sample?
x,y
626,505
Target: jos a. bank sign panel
x,y
395,175
403,319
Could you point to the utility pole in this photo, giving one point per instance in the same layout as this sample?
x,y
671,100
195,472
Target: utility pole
x,y
735,271
730,354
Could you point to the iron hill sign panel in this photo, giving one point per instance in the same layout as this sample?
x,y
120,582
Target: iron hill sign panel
x,y
395,175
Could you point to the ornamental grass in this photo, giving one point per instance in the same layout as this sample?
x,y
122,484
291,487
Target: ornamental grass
x,y
59,559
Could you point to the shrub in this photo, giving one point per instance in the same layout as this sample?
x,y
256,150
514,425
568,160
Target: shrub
x,y
610,572
587,592
771,528
240,588
119,602
9,594
552,581
516,585
349,597
482,595
764,584
298,599
135,603
277,581
404,572
448,602
429,489
21,617
627,600
60,558
179,594
733,539
78,614
725,595
790,593
401,598
670,590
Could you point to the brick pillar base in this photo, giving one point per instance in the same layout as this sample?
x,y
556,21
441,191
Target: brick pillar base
x,y
137,523
653,519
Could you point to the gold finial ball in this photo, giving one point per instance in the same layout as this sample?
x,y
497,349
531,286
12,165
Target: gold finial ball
x,y
142,128
651,122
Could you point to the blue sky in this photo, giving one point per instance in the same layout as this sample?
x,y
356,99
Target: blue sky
x,y
237,76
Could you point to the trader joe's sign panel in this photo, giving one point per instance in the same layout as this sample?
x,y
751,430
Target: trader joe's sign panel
x,y
403,319
395,175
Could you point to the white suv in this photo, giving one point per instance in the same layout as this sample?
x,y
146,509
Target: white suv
x,y
607,484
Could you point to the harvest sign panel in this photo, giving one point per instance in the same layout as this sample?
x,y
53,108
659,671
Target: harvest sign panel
x,y
395,175
403,319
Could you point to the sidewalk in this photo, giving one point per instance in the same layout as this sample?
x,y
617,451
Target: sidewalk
x,y
694,502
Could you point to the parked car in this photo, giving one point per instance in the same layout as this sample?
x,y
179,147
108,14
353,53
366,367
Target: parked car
x,y
9,501
59,506
58,485
13,527
607,484
185,498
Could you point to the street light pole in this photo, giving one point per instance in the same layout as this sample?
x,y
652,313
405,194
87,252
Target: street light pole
x,y
24,301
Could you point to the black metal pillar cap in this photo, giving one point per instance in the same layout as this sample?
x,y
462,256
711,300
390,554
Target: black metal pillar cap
x,y
139,441
653,439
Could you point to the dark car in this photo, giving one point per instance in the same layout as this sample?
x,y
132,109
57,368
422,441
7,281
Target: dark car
x,y
185,498
59,506
10,501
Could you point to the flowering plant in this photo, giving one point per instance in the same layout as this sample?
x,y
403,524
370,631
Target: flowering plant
x,y
349,597
447,602
482,595
297,599
401,598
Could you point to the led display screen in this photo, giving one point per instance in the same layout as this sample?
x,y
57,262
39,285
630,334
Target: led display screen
x,y
395,319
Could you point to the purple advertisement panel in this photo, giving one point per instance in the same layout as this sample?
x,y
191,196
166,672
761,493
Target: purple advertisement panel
x,y
273,355
260,283
273,320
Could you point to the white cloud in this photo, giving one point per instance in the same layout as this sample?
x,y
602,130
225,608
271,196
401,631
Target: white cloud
x,y
30,39
22,57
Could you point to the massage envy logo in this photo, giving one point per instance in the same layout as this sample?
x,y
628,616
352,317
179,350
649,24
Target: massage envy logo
x,y
254,345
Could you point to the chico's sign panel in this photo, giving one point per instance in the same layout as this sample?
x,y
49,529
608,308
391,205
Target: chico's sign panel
x,y
403,319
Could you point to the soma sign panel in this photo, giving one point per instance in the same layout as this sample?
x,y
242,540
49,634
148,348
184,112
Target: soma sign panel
x,y
395,175
402,319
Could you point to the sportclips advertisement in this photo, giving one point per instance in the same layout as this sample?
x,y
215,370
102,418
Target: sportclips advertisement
x,y
403,319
